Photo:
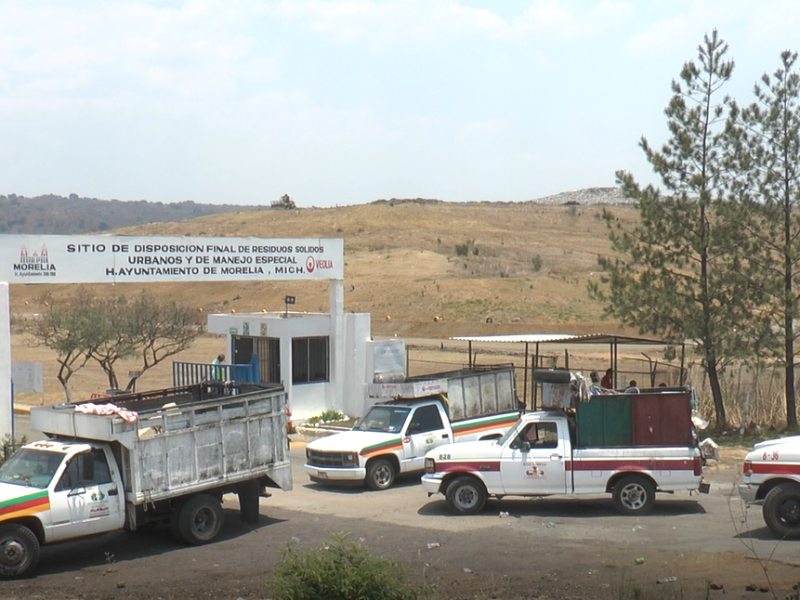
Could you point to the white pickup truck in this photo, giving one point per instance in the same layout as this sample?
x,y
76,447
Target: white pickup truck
x,y
771,477
165,456
540,456
392,438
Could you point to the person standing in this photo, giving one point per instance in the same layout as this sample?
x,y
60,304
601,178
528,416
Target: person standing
x,y
608,379
216,370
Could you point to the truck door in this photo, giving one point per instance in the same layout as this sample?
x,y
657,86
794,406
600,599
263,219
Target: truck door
x,y
86,498
539,470
425,430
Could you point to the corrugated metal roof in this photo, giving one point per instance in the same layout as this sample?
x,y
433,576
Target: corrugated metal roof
x,y
551,338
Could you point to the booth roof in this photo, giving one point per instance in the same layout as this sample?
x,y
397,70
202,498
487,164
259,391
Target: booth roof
x,y
556,338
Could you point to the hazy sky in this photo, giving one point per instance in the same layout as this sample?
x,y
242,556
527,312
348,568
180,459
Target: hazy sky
x,y
344,102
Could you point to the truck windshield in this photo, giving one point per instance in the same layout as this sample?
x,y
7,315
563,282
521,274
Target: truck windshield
x,y
31,468
384,418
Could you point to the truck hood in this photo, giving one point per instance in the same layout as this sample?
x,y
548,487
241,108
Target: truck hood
x,y
481,449
785,446
10,492
353,441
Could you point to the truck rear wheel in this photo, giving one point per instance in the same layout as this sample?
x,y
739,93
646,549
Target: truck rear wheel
x,y
19,551
200,519
466,496
380,474
634,495
781,511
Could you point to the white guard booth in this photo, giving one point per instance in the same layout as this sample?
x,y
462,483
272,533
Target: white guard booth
x,y
322,366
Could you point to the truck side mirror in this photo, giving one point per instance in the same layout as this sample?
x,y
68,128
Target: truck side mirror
x,y
525,446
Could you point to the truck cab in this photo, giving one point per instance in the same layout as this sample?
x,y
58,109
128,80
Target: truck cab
x,y
58,490
392,438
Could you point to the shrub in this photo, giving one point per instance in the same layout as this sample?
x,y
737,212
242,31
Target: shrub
x,y
536,261
340,570
327,416
462,249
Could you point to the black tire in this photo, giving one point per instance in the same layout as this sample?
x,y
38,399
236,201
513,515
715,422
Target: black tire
x,y
782,511
19,551
200,519
634,495
466,496
551,375
249,493
380,474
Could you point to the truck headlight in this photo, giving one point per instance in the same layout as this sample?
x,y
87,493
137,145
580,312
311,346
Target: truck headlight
x,y
350,459
430,466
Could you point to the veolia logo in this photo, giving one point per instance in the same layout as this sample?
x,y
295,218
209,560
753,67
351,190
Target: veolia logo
x,y
310,264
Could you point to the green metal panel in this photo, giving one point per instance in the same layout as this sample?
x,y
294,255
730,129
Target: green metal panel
x,y
605,421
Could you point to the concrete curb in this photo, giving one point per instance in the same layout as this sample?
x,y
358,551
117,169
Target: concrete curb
x,y
22,409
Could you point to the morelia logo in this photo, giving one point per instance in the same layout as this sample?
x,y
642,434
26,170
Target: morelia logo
x,y
312,264
34,264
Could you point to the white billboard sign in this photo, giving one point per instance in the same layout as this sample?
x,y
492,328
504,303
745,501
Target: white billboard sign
x,y
121,259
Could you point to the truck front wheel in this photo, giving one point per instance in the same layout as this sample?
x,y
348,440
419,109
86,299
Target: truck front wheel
x,y
466,496
19,551
634,495
380,474
200,519
782,511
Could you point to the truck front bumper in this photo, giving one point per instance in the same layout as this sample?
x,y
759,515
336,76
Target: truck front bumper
x,y
336,475
748,492
431,484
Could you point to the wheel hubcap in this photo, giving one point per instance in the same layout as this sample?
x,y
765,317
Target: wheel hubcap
x,y
383,475
633,496
204,521
13,553
466,497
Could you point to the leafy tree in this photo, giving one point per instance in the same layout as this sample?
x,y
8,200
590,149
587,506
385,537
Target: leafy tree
x,y
765,157
160,328
677,273
106,330
70,329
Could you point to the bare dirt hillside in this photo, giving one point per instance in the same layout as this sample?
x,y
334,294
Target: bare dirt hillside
x,y
481,268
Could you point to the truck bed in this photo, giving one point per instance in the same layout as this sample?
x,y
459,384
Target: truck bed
x,y
186,439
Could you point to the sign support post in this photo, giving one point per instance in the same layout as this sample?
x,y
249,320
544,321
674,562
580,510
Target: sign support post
x,y
6,402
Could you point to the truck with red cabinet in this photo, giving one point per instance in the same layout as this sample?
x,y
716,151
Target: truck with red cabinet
x,y
628,445
771,478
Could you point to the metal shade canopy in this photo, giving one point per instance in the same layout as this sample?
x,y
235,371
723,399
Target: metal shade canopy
x,y
612,339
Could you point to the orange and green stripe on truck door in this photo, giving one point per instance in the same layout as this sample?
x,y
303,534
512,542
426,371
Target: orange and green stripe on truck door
x,y
24,506
476,426
383,447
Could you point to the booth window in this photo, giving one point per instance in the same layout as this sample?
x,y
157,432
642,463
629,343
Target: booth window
x,y
310,359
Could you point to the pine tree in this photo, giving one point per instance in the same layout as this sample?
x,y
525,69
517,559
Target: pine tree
x,y
677,273
765,158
